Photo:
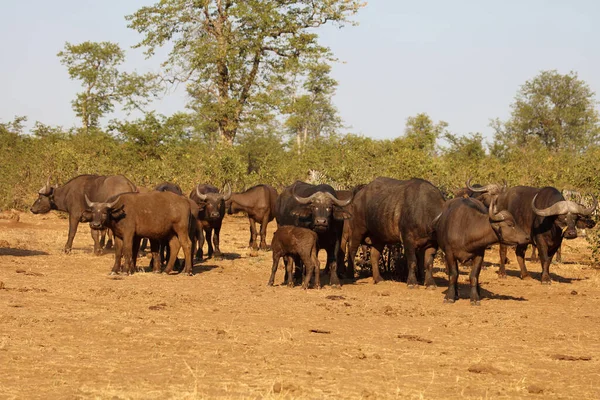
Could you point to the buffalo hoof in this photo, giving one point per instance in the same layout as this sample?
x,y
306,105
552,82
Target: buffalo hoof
x,y
376,281
336,286
432,286
173,273
270,284
502,276
290,284
475,302
448,301
411,286
525,276
67,251
112,273
548,282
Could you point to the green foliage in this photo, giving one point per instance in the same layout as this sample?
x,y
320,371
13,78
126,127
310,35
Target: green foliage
x,y
558,111
96,66
234,53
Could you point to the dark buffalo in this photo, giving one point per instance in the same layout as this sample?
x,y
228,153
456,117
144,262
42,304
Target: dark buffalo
x,y
169,187
212,211
316,207
547,217
300,244
155,215
389,211
70,198
464,229
258,203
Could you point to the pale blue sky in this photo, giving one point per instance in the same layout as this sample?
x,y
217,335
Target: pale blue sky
x,y
458,61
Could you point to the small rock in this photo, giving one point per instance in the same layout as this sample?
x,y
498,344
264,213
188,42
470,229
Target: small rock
x,y
573,292
535,389
277,387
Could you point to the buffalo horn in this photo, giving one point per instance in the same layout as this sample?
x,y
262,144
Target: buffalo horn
x,y
227,194
495,217
338,202
89,203
112,204
302,200
486,188
558,208
200,195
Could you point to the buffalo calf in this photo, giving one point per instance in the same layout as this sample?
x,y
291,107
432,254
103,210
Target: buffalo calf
x,y
299,244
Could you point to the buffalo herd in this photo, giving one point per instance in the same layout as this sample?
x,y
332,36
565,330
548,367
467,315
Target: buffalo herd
x,y
384,212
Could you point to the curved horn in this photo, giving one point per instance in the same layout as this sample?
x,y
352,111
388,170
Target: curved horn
x,y
227,194
200,195
89,203
494,216
302,200
474,189
112,204
558,208
338,202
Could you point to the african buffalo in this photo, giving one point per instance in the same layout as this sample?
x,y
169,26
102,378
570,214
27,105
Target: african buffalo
x,y
389,211
212,211
70,198
258,203
297,243
316,207
464,229
155,215
169,187
547,217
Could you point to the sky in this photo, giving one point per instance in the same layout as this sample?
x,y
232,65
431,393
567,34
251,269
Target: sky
x,y
459,61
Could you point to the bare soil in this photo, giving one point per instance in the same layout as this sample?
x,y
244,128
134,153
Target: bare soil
x,y
68,330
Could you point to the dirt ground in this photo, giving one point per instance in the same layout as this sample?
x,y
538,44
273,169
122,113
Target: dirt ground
x,y
68,330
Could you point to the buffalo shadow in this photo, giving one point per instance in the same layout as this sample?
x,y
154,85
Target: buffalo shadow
x,y
8,251
538,276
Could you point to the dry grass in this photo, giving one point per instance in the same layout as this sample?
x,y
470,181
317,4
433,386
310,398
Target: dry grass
x,y
68,330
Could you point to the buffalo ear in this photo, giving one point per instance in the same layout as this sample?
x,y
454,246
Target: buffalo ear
x,y
340,214
302,212
86,216
117,213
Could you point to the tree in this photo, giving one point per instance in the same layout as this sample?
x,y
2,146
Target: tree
x,y
230,52
312,113
421,133
557,110
95,65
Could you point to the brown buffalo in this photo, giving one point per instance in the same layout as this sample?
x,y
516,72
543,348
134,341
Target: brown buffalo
x,y
258,203
299,246
70,198
212,210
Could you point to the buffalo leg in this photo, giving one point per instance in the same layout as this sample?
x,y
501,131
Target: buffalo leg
x,y
520,252
502,270
559,255
216,239
332,261
127,254
73,224
98,237
474,279
263,233
533,256
208,233
118,256
309,269
411,260
376,250
452,266
155,249
276,258
546,253
290,270
428,257
135,248
315,261
109,241
201,240
252,242
186,245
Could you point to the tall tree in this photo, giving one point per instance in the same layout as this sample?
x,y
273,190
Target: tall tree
x,y
230,51
311,113
96,66
558,110
421,133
